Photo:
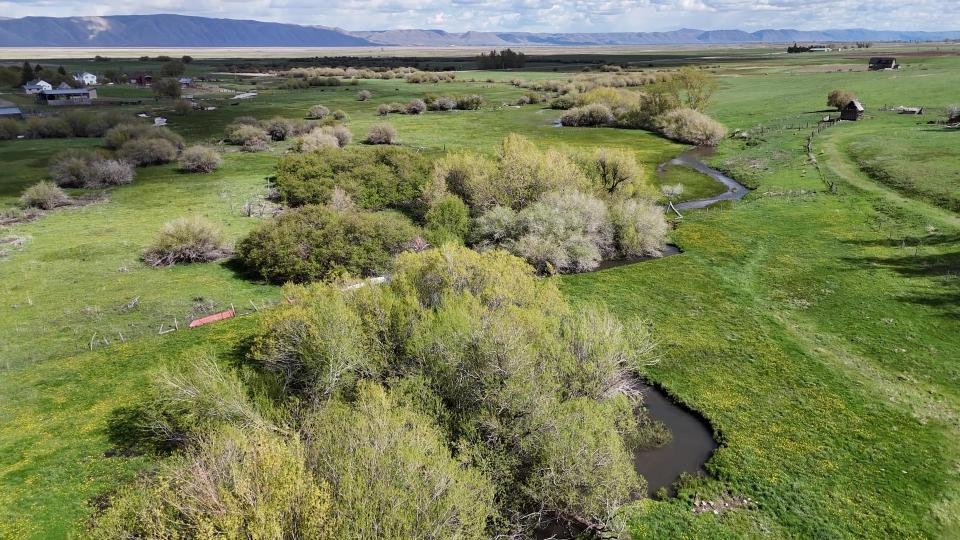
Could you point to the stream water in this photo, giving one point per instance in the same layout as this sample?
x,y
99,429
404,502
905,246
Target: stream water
x,y
692,159
689,449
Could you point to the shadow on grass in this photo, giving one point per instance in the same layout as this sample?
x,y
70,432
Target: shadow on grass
x,y
942,268
909,241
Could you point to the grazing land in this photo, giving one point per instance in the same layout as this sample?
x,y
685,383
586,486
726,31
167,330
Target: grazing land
x,y
814,324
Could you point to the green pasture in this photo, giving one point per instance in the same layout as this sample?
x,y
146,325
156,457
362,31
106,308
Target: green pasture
x,y
815,330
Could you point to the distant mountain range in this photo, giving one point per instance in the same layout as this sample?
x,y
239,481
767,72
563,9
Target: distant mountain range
x,y
183,31
684,36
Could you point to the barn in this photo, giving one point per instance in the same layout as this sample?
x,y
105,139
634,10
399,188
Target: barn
x,y
71,96
852,111
878,63
11,112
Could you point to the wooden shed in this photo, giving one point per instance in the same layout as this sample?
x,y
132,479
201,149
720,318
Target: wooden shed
x,y
878,63
852,111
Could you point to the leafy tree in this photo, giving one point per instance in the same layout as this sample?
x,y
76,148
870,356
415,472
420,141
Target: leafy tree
x,y
186,59
693,88
504,59
169,88
617,170
62,71
173,68
840,98
26,74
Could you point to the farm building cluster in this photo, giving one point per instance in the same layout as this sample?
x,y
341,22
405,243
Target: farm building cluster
x,y
64,94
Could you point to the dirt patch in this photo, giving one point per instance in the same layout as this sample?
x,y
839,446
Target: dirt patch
x,y
16,216
9,244
724,503
830,68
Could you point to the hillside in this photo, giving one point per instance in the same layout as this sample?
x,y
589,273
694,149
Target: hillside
x,y
182,31
165,31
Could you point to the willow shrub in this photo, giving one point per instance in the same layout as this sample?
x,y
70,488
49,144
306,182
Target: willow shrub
x,y
148,151
563,232
464,398
317,242
376,178
44,195
690,126
394,473
199,159
234,484
186,240
123,133
447,220
85,169
640,228
519,175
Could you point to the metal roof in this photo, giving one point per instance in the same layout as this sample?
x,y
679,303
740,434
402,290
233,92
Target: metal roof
x,y
9,111
66,91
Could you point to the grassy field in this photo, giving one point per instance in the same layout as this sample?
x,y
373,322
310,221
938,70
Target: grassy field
x,y
913,163
696,185
815,330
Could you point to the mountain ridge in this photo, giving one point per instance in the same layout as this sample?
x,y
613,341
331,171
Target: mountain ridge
x,y
169,30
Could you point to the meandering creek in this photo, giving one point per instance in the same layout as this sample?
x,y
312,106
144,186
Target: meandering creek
x,y
689,449
692,159
692,443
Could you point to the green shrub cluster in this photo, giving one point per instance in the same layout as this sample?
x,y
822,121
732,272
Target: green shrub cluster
x,y
250,137
550,207
690,126
375,177
419,77
318,242
148,151
121,134
70,124
464,398
671,104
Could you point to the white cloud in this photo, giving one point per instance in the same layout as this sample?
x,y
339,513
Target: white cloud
x,y
534,15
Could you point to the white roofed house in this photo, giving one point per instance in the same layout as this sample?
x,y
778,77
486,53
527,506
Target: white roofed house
x,y
35,87
86,78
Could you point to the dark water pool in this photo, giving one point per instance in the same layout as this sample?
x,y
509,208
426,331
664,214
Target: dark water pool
x,y
668,250
691,446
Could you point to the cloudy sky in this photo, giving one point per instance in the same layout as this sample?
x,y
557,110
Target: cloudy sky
x,y
535,15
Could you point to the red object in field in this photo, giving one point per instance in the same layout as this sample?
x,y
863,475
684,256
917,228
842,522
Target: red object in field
x,y
213,318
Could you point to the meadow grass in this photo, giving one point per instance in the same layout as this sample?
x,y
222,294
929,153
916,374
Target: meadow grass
x,y
80,273
914,163
696,185
815,330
